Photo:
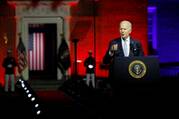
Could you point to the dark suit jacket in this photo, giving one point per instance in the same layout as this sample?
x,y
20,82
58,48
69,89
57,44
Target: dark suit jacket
x,y
90,61
135,50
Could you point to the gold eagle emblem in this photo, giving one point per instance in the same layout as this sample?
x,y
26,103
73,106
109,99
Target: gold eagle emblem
x,y
137,69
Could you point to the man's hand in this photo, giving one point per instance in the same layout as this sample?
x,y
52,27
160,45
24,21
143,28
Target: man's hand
x,y
113,49
9,65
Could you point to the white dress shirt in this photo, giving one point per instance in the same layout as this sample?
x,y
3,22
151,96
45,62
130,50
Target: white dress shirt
x,y
126,46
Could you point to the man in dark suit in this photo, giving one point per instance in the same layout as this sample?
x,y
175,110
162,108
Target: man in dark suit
x,y
9,63
90,65
123,46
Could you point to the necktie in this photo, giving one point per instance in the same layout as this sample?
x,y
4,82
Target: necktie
x,y
125,49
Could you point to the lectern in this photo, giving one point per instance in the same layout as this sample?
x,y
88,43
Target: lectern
x,y
135,69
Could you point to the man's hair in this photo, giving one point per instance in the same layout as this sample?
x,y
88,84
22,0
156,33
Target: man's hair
x,y
90,52
128,22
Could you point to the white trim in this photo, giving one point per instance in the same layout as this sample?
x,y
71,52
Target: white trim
x,y
42,14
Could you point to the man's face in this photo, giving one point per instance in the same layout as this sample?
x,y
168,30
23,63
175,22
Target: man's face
x,y
125,29
90,54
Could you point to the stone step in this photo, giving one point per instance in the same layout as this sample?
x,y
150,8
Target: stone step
x,y
45,84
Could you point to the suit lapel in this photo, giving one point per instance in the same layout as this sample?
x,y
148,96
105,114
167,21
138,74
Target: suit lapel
x,y
120,49
131,47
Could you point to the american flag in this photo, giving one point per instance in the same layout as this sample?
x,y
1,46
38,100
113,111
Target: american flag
x,y
36,51
22,62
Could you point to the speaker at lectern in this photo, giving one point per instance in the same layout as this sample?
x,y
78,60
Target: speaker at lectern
x,y
136,69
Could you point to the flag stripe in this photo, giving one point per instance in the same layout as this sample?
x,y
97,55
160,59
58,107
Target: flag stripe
x,y
38,38
36,51
41,50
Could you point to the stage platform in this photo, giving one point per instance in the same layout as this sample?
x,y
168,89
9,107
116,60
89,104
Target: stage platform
x,y
158,100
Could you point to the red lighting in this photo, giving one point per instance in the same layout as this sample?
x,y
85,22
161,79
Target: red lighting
x,y
72,3
13,5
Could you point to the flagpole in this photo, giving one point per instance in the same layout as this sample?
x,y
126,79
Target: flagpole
x,y
75,41
94,26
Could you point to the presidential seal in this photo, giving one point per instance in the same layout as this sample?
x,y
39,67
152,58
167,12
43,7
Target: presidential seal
x,y
137,69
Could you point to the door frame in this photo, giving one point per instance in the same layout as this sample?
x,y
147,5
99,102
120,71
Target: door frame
x,y
59,21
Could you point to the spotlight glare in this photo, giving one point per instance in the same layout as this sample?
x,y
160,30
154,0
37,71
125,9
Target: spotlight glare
x,y
27,91
33,98
23,85
38,112
29,95
36,105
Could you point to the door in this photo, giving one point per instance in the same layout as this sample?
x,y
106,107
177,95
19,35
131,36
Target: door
x,y
42,50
